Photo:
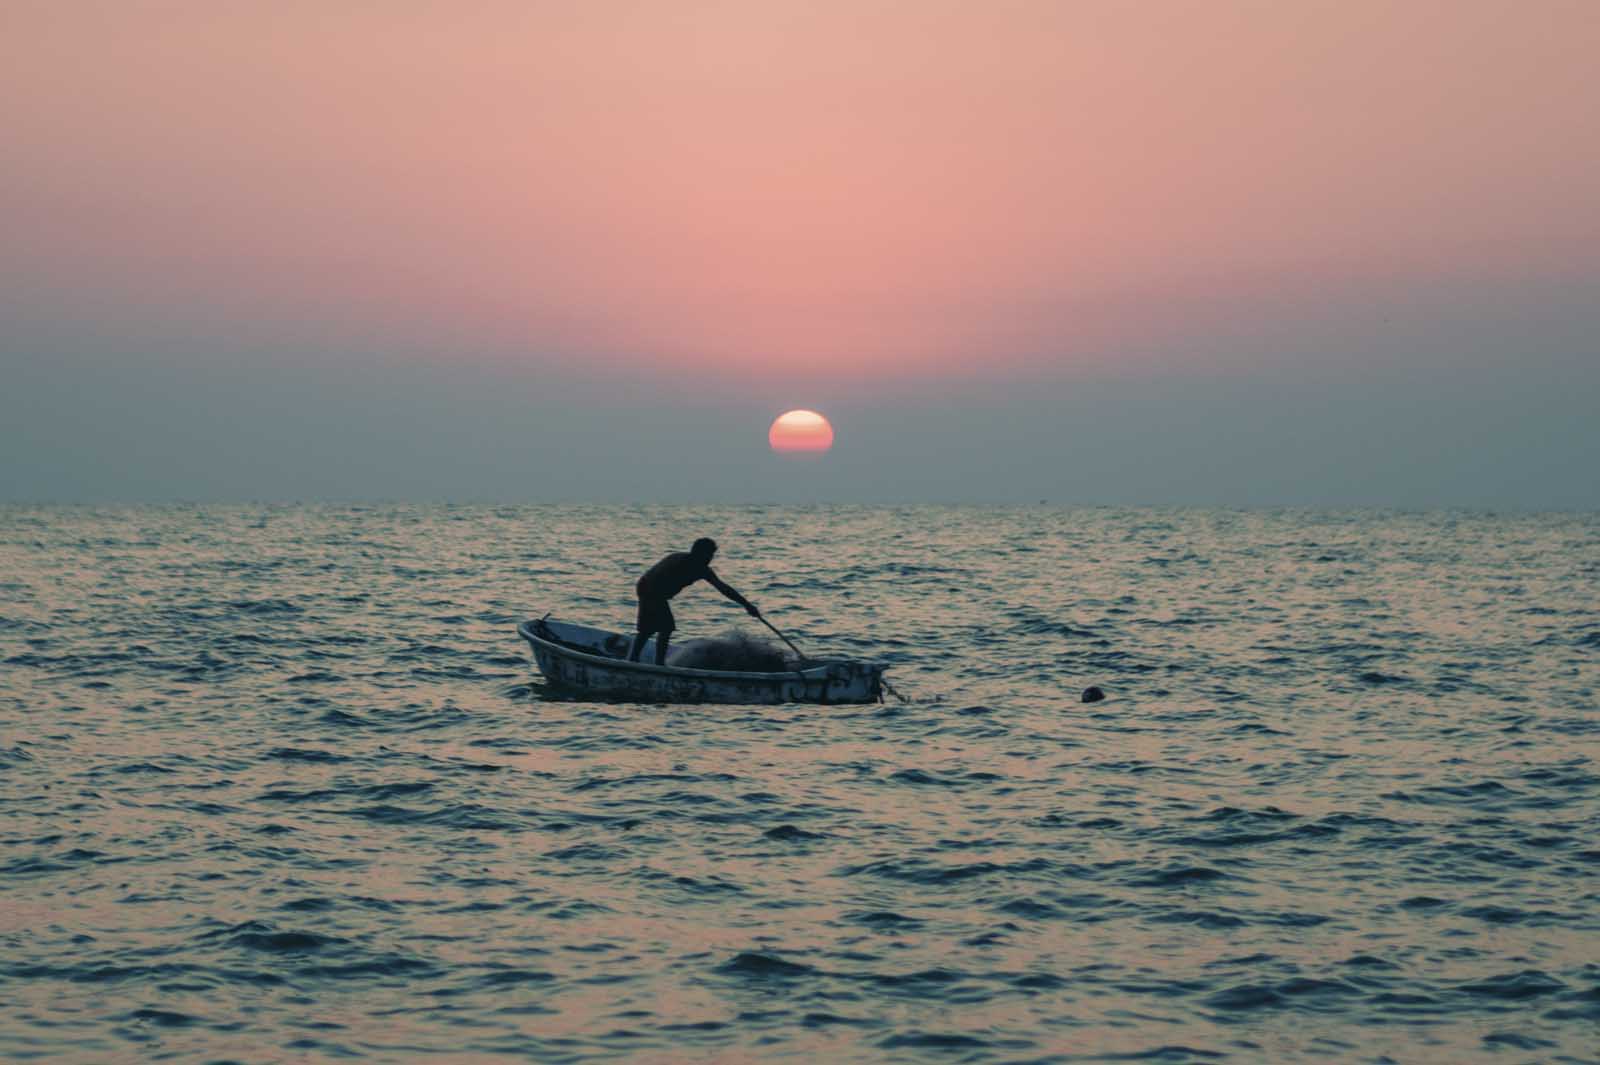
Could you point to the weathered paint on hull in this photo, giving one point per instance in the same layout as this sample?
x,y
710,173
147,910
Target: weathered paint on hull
x,y
596,676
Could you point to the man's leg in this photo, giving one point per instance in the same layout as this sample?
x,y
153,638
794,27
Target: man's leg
x,y
647,623
664,633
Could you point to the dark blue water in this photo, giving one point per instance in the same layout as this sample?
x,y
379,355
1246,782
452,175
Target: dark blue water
x,y
279,783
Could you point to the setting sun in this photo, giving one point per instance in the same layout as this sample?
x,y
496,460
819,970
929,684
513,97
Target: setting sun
x,y
800,432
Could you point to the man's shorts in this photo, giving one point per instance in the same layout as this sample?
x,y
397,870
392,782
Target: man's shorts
x,y
655,616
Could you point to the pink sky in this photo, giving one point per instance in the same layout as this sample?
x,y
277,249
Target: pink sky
x,y
782,190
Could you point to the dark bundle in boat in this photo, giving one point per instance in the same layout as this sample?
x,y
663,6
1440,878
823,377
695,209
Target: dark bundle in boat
x,y
733,650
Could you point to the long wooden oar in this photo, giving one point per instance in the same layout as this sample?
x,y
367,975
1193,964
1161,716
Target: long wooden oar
x,y
803,659
798,653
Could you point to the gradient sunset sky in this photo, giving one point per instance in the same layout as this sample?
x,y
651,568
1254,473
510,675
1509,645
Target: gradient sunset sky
x,y
1225,252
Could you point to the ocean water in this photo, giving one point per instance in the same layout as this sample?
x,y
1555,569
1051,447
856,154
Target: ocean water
x,y
281,784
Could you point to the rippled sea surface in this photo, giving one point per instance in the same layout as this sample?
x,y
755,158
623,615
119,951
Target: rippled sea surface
x,y
281,784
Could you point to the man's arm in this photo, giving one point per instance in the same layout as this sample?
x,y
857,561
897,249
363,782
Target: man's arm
x,y
727,590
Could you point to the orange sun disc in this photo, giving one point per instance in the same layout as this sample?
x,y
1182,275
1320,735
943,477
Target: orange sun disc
x,y
800,432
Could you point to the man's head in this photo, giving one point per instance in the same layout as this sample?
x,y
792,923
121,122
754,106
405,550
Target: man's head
x,y
703,549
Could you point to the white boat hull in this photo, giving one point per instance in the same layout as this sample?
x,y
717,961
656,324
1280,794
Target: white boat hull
x,y
593,662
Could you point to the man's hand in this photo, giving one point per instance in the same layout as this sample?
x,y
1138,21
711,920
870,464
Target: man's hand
x,y
750,608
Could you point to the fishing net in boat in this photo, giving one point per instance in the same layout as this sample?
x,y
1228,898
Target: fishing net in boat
x,y
733,650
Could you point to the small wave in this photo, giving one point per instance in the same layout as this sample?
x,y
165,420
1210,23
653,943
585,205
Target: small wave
x,y
1423,902
284,942
920,777
1516,1041
1031,908
583,852
466,817
264,606
1368,961
160,1018
919,983
1299,991
315,904
315,676
933,1041
387,965
300,754
66,861
1299,833
1178,876
921,871
90,973
1234,814
792,833
825,1020
501,978
1569,777
368,791
1201,919
143,767
1168,1053
1511,915
1514,987
884,919
757,966
1250,727
1481,793
593,783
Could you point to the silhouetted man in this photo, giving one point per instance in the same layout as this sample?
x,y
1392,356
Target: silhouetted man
x,y
666,579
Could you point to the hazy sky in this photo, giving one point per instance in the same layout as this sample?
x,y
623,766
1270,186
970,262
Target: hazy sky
x,y
1211,251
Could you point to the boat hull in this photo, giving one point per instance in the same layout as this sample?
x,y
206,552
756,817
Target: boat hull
x,y
591,663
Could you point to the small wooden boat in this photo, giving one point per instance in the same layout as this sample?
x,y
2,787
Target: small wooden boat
x,y
595,663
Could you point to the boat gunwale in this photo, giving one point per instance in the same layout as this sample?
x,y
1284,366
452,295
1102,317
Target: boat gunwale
x,y
819,672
